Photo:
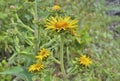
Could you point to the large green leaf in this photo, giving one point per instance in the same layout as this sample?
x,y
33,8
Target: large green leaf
x,y
19,72
25,75
12,70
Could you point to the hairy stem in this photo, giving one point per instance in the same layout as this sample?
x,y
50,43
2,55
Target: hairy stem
x,y
61,60
36,29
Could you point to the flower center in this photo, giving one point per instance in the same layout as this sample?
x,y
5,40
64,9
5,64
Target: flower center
x,y
43,53
61,24
37,66
83,60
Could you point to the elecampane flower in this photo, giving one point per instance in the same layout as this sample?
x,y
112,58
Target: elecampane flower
x,y
61,23
85,60
44,53
36,67
56,7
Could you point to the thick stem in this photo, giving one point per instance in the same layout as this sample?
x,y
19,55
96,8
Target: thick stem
x,y
61,60
36,29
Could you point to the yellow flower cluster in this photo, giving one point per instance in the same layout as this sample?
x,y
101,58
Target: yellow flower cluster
x,y
44,53
84,60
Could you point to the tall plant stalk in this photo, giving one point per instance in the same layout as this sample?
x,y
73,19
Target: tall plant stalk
x,y
61,59
36,29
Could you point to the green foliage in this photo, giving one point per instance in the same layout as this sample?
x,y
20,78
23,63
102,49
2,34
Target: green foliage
x,y
22,35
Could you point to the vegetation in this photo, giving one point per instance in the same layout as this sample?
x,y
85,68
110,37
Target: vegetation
x,y
59,40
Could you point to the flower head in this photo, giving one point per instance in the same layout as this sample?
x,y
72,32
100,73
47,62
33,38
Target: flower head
x,y
44,53
56,7
85,60
61,23
35,67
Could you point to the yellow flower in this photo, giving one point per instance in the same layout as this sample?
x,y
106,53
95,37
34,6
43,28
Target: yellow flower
x,y
56,7
85,60
61,23
35,67
44,53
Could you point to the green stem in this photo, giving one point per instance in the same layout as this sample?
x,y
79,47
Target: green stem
x,y
22,24
36,29
61,60
36,15
68,58
55,60
72,71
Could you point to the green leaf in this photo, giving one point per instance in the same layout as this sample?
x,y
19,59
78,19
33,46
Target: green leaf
x,y
25,75
3,15
12,70
19,72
